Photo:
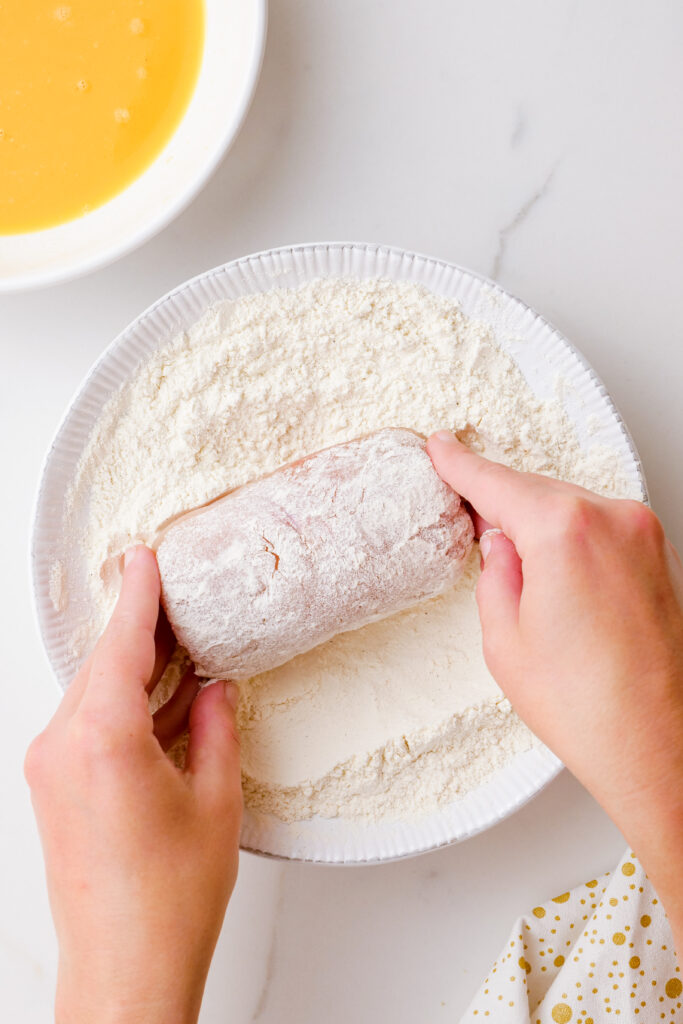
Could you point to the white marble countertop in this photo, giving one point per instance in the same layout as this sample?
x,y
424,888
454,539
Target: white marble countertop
x,y
536,143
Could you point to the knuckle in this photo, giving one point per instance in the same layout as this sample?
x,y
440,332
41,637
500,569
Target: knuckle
x,y
572,518
576,515
642,521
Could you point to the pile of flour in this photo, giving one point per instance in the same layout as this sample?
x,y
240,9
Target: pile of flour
x,y
392,719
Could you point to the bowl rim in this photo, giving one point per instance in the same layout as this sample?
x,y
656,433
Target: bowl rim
x,y
34,280
552,766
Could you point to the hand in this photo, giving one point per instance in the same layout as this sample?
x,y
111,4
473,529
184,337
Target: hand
x,y
141,857
580,600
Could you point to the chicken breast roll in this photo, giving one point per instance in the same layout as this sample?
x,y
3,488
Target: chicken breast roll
x,y
351,534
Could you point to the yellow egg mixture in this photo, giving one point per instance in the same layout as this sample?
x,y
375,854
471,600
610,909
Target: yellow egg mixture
x,y
90,92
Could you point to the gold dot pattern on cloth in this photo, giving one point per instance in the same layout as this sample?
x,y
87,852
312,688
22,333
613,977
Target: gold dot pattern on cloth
x,y
600,953
562,1013
673,988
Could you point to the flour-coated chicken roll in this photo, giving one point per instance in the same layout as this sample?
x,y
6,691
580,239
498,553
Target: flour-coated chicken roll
x,y
341,538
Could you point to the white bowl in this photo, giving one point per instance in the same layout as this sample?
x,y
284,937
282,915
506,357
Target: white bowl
x,y
541,353
233,49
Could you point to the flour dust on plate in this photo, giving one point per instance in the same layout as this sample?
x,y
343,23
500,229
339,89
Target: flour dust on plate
x,y
328,544
91,93
393,739
392,721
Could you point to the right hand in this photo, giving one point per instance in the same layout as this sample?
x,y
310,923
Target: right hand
x,y
580,601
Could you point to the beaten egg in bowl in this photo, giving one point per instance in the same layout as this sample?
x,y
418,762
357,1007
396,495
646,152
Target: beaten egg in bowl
x,y
97,154
90,93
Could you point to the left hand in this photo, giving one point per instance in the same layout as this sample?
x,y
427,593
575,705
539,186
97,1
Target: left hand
x,y
141,857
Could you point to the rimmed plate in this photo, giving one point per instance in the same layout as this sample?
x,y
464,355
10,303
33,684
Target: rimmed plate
x,y
542,355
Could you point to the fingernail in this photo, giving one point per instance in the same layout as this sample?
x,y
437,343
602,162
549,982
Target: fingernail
x,y
485,542
445,435
129,555
232,693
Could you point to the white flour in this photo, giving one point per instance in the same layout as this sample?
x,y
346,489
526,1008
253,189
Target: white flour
x,y
346,537
392,719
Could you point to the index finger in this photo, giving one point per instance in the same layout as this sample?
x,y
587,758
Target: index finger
x,y
123,660
504,497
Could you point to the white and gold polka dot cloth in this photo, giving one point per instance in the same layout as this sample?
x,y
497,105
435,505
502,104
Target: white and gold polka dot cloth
x,y
603,952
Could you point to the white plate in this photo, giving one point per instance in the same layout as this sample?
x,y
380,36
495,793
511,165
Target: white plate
x,y
233,49
541,353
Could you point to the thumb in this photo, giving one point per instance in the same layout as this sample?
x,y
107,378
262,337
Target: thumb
x,y
213,750
498,593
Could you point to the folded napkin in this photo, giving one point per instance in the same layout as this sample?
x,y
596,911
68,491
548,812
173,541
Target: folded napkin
x,y
603,952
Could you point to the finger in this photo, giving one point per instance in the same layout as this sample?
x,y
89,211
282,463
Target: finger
x,y
499,591
506,499
164,645
73,693
481,525
124,658
213,751
172,719
499,495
